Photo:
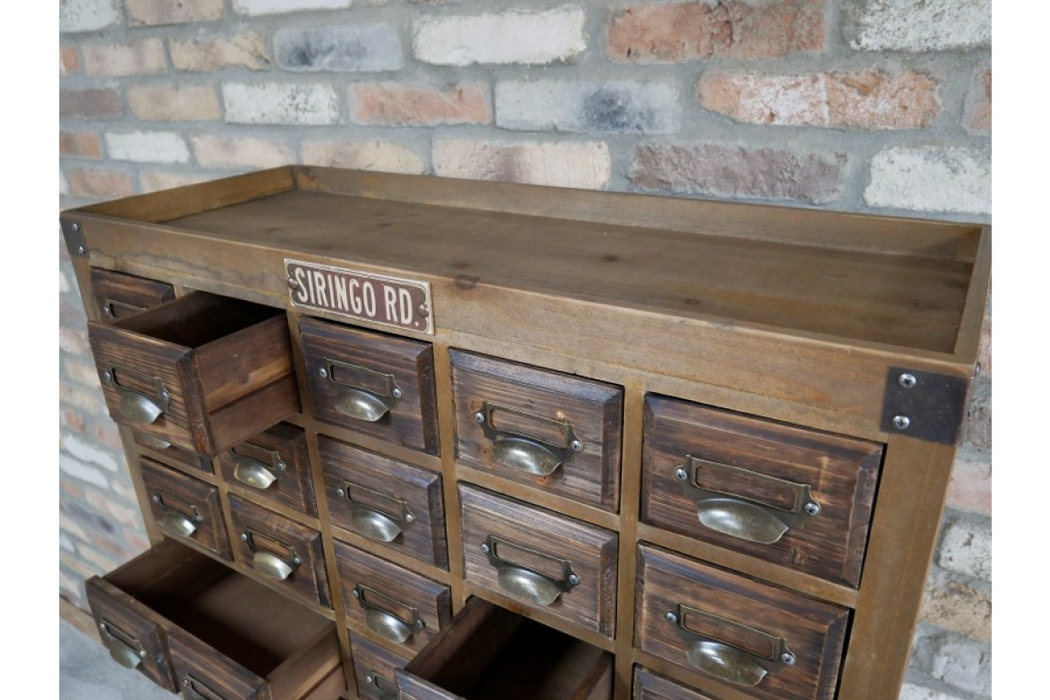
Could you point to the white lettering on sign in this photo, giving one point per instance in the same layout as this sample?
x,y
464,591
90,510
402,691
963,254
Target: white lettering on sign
x,y
391,301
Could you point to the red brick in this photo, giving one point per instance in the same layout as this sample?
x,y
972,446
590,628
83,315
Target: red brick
x,y
68,60
99,183
155,181
90,104
978,120
866,100
734,29
393,104
152,12
71,419
73,341
171,103
82,144
145,56
207,54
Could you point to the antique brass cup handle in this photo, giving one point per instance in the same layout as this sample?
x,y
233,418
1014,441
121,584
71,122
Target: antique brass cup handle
x,y
254,472
743,517
135,405
525,582
725,660
379,526
175,520
265,560
381,620
153,441
381,687
525,453
114,308
195,690
123,648
360,392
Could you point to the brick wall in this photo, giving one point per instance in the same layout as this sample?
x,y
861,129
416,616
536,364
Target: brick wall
x,y
860,105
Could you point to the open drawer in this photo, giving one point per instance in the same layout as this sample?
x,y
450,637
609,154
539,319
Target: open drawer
x,y
490,653
201,628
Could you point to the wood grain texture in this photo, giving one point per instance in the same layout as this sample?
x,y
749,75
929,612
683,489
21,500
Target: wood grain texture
x,y
592,553
118,295
191,498
593,409
267,531
294,485
650,686
374,662
391,590
173,455
815,631
842,473
413,422
391,489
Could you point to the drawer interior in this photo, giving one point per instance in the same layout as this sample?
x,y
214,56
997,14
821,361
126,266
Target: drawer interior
x,y
197,319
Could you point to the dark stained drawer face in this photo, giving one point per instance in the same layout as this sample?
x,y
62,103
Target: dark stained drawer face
x,y
398,605
549,430
280,550
119,294
202,372
185,507
274,466
765,641
171,454
543,559
376,384
490,652
789,495
133,640
650,686
393,504
375,667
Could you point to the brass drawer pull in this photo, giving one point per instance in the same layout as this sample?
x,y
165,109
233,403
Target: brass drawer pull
x,y
525,582
374,524
381,620
195,690
255,472
381,687
354,397
175,520
265,560
523,452
123,648
153,441
135,405
114,308
742,517
725,660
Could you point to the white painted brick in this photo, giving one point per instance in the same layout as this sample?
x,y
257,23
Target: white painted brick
x,y
359,47
273,7
931,179
922,25
66,524
63,282
87,15
584,165
587,106
280,103
63,183
65,543
966,548
910,691
515,36
963,663
89,453
376,154
240,152
148,147
78,470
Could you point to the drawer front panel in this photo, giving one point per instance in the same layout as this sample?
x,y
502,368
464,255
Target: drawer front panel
x,y
789,495
542,559
132,640
766,641
171,454
280,550
119,294
649,686
553,431
374,668
398,605
275,465
185,507
203,674
376,384
391,503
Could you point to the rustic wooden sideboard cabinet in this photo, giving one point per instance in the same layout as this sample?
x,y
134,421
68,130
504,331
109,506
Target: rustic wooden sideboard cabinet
x,y
407,437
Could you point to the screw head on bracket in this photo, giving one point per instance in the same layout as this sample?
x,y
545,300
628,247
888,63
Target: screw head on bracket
x,y
908,381
81,249
576,445
671,617
681,474
485,548
787,658
244,536
574,579
812,509
323,372
901,422
479,417
292,283
398,393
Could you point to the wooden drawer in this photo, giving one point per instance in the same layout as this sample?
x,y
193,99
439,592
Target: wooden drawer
x,y
203,372
275,465
212,633
185,507
650,686
119,294
789,495
542,559
400,606
377,384
763,640
393,504
489,652
173,455
280,550
375,668
550,430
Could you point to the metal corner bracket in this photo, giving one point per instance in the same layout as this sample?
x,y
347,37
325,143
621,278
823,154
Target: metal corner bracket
x,y
924,405
73,232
